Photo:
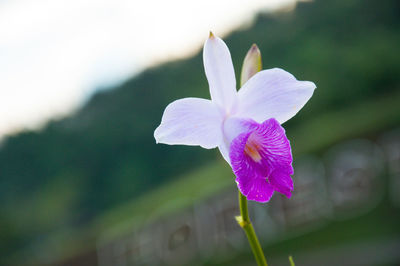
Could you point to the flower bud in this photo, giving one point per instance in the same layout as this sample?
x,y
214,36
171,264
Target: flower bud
x,y
251,64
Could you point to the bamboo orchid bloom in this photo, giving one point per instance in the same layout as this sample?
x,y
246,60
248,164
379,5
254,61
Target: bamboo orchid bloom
x,y
245,125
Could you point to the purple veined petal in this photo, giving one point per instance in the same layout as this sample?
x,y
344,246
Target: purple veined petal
x,y
220,73
261,159
232,127
281,181
273,93
191,121
258,189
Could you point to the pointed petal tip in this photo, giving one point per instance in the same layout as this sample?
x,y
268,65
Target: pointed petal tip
x,y
254,47
313,84
254,52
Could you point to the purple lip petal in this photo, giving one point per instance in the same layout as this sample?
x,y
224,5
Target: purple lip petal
x,y
261,159
281,181
258,189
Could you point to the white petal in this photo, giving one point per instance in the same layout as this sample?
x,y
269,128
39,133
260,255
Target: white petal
x,y
224,150
191,121
273,93
220,73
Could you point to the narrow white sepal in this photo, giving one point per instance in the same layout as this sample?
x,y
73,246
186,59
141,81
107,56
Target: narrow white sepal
x,y
220,73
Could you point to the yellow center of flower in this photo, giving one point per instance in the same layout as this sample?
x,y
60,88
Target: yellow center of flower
x,y
252,149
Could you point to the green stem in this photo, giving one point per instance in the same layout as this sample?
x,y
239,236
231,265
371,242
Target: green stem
x,y
245,223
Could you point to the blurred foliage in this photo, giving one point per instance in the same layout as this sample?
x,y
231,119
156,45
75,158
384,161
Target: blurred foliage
x,y
105,154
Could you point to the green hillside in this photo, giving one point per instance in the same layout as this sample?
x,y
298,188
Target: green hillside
x,y
61,179
364,119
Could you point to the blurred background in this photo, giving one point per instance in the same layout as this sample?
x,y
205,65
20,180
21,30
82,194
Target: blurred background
x,y
83,85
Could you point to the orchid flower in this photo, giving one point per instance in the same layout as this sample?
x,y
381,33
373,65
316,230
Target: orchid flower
x,y
245,125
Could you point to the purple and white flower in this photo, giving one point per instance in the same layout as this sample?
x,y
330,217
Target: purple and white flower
x,y
245,125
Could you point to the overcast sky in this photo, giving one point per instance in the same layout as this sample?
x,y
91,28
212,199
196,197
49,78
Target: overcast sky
x,y
55,53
